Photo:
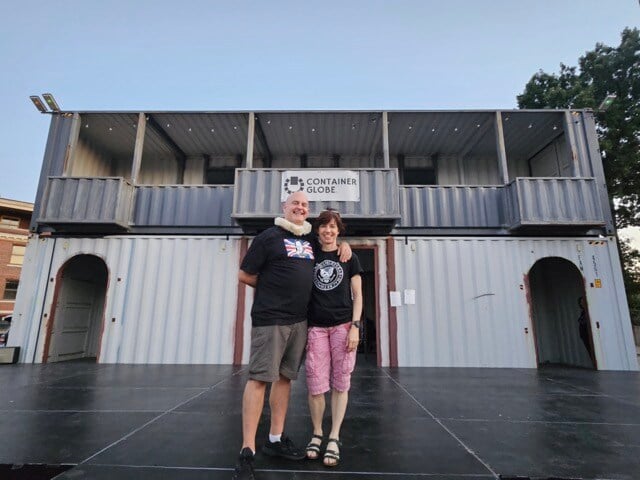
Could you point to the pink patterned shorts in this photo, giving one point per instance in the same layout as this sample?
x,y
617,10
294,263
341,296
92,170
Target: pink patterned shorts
x,y
328,363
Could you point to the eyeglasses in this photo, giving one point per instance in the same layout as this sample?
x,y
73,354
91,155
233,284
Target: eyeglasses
x,y
333,210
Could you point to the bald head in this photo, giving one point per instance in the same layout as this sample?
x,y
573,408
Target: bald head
x,y
296,208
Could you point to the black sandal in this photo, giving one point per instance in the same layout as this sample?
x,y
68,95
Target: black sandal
x,y
332,454
314,448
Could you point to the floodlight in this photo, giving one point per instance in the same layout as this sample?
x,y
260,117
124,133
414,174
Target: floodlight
x,y
606,103
38,103
51,102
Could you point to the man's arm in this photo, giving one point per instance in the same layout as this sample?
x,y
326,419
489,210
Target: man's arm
x,y
344,251
247,278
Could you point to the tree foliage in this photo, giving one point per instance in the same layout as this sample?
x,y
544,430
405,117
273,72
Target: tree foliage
x,y
602,72
631,272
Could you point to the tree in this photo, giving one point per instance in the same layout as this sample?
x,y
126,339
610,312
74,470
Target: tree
x,y
631,272
602,72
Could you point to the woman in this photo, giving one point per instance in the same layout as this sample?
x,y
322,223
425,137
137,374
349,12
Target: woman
x,y
333,334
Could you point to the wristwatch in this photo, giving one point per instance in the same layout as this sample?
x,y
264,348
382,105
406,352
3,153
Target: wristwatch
x,y
356,324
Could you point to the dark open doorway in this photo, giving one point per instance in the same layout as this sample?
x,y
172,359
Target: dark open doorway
x,y
556,287
368,349
76,324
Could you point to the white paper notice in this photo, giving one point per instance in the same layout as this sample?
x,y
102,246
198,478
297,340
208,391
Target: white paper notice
x,y
395,299
410,297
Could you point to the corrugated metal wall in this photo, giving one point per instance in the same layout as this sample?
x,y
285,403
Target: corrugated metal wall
x,y
455,206
553,200
169,299
471,305
89,161
194,170
258,194
158,170
87,200
173,299
185,206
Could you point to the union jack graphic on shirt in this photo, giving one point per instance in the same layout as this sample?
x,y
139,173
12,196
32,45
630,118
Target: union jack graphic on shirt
x,y
298,248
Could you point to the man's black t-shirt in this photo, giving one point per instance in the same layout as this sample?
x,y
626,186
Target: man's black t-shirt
x,y
284,264
331,302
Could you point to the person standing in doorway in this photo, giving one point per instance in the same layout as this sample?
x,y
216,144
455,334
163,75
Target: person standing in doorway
x,y
333,335
583,329
279,265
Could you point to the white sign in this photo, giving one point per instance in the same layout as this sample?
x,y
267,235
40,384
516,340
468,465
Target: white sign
x,y
395,298
322,185
410,297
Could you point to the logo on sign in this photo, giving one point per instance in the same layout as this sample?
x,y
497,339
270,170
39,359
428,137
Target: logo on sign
x,y
322,185
293,185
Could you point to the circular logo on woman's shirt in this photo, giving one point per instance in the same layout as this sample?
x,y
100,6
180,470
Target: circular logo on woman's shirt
x,y
327,275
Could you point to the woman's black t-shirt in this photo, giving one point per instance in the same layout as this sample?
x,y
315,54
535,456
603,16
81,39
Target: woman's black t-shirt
x,y
331,302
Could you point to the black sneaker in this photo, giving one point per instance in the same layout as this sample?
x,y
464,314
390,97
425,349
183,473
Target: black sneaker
x,y
244,467
284,448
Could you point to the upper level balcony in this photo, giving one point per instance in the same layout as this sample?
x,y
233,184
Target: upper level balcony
x,y
373,208
441,173
542,205
545,203
87,204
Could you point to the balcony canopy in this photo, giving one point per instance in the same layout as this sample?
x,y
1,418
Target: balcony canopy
x,y
322,133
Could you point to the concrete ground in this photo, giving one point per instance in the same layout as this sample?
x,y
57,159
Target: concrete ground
x,y
183,422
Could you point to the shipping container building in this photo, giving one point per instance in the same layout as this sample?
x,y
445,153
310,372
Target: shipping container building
x,y
478,232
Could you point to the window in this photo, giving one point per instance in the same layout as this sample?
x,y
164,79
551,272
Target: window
x,y
17,255
9,222
419,176
221,176
10,290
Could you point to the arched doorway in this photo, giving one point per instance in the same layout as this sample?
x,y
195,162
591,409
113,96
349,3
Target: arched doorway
x,y
556,287
76,326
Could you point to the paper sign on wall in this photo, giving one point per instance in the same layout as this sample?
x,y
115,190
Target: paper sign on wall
x,y
395,299
410,297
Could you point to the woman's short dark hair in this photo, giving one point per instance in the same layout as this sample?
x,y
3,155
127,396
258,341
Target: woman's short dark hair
x,y
326,217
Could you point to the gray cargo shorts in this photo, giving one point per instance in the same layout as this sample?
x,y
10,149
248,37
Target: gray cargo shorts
x,y
277,350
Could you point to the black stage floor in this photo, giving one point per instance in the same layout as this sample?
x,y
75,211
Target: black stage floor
x,y
183,422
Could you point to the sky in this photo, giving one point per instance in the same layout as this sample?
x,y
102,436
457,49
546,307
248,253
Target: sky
x,y
278,55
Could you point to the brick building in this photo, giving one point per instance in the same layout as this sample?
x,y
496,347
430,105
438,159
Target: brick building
x,y
14,233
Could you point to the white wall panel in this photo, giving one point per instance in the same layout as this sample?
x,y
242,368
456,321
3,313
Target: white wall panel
x,y
32,293
158,170
471,306
171,299
194,171
88,161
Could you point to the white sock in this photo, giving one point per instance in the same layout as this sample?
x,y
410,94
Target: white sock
x,y
275,438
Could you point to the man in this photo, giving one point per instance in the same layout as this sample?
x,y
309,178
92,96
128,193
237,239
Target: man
x,y
279,265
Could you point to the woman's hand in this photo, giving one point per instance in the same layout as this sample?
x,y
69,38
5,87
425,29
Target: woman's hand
x,y
353,338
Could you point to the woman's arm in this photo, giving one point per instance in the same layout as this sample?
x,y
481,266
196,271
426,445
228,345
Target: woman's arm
x,y
356,294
